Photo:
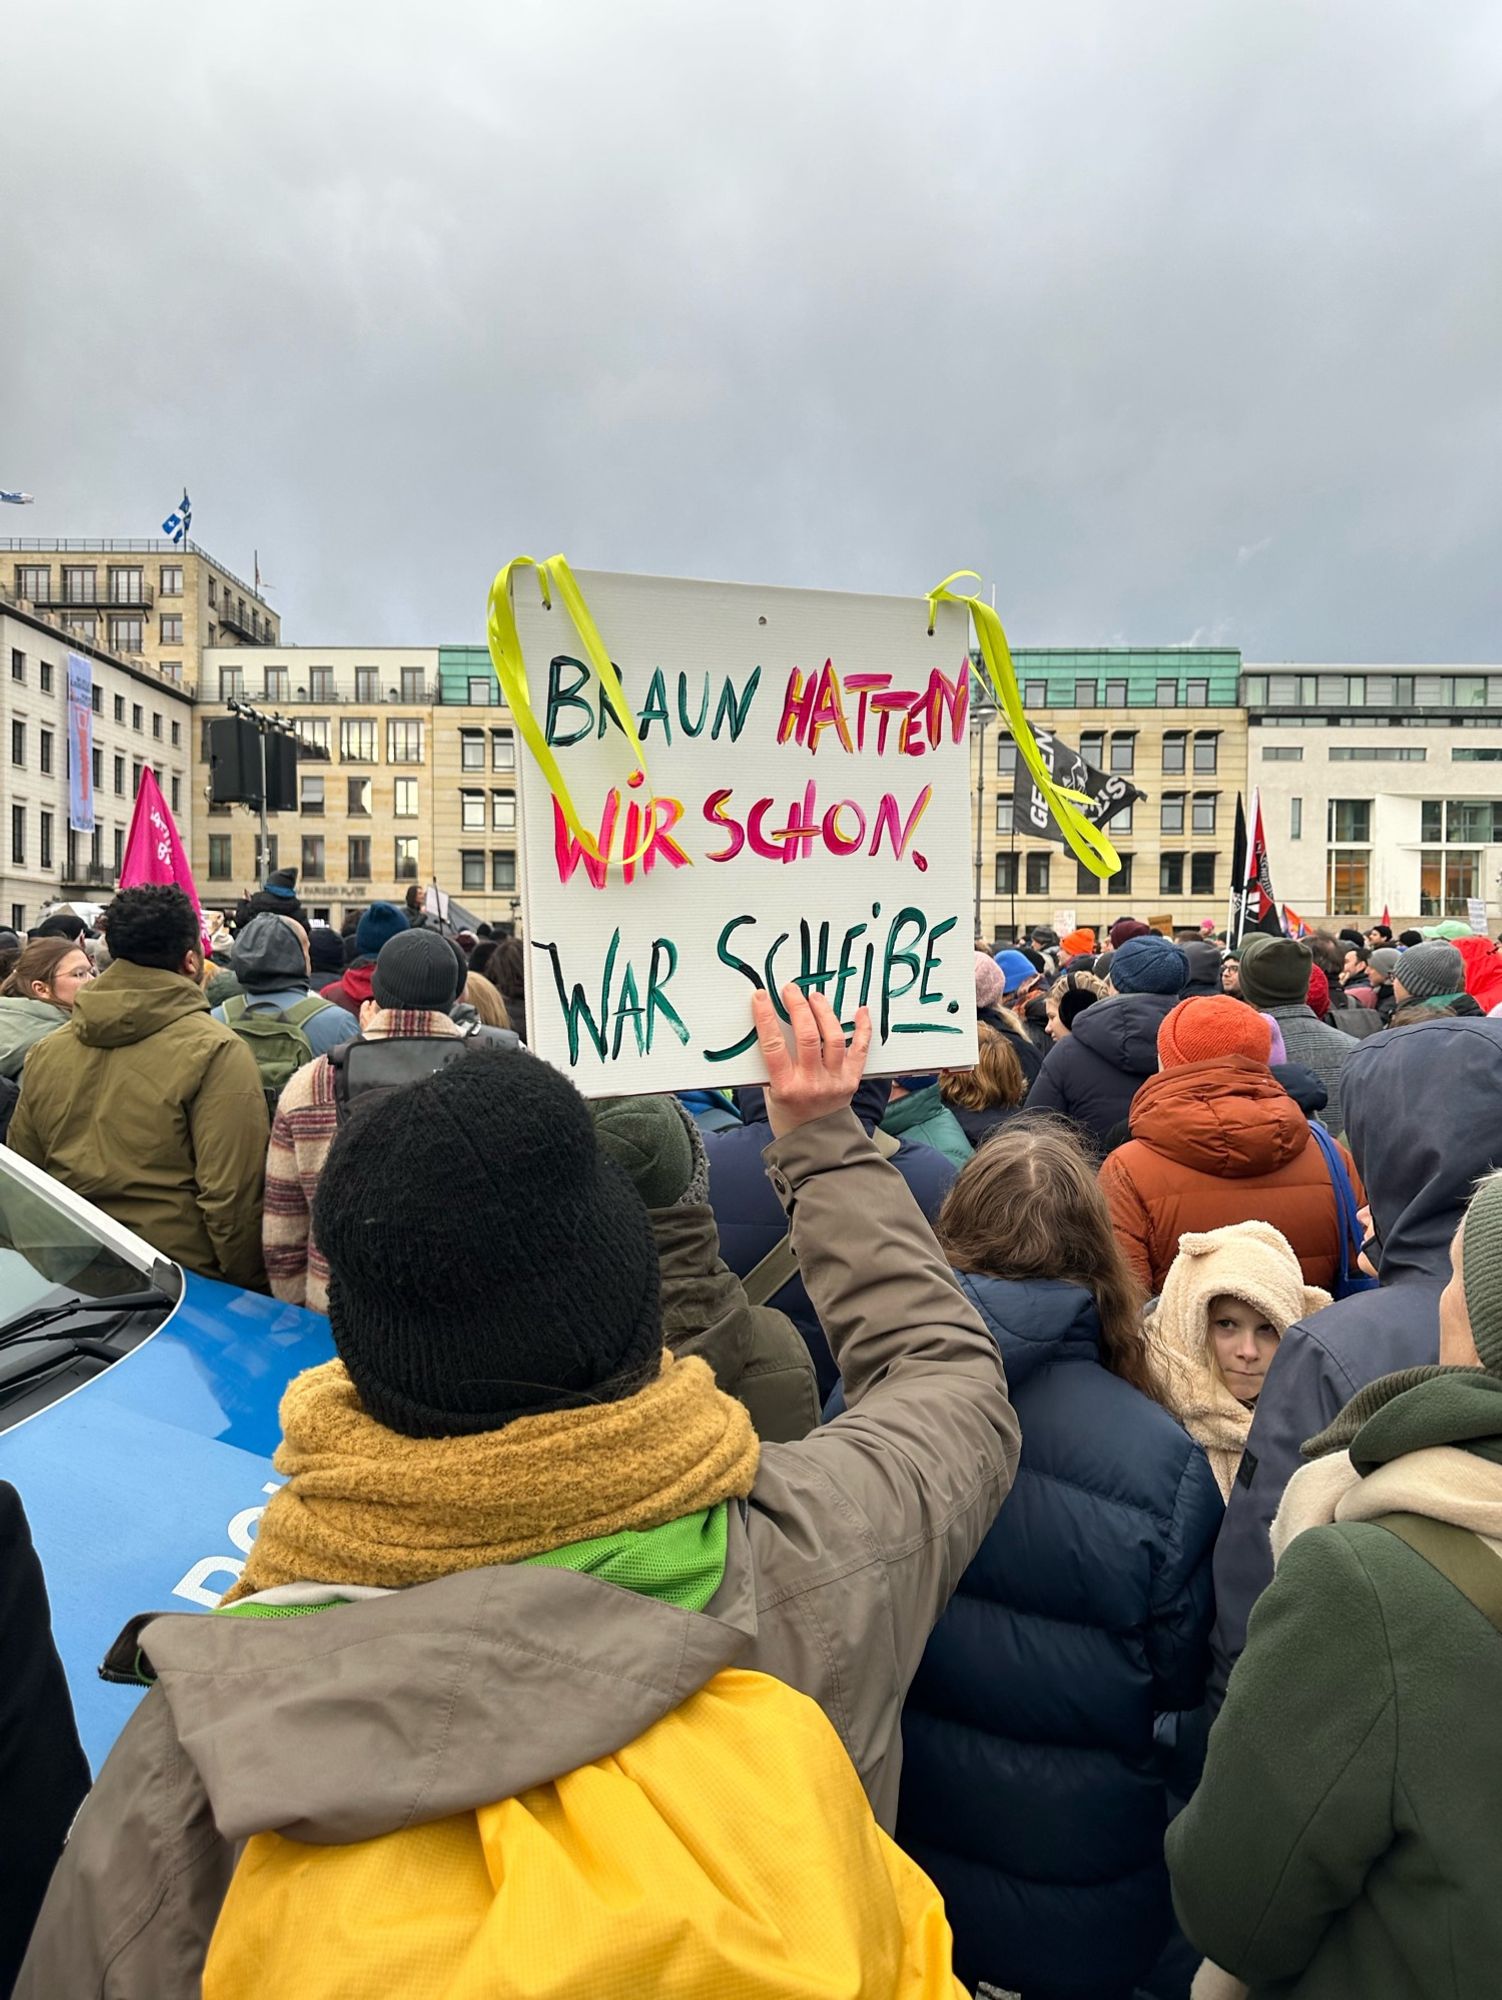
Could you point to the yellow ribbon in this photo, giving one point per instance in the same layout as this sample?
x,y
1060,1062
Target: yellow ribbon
x,y
1089,843
511,671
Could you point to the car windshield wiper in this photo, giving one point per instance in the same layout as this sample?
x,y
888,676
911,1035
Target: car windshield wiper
x,y
121,1303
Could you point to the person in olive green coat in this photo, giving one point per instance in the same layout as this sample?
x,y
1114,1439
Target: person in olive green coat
x,y
146,1105
1343,1842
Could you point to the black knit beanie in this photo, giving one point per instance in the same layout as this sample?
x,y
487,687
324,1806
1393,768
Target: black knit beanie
x,y
486,1260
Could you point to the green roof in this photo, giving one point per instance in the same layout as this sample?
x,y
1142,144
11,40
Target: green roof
x,y
1141,667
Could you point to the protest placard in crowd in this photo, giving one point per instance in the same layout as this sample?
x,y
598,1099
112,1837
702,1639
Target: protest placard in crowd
x,y
799,810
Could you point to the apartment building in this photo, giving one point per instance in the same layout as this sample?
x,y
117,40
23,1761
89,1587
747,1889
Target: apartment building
x,y
141,718
1171,721
143,600
1381,787
407,775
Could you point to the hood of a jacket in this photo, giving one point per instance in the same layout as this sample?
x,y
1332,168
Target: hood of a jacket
x,y
357,983
1204,981
23,1020
1423,1109
1455,1406
126,1003
1123,1030
269,956
1230,1117
578,1668
1303,1085
1034,1321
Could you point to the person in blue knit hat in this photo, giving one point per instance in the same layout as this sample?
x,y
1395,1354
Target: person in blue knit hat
x,y
1092,1075
381,922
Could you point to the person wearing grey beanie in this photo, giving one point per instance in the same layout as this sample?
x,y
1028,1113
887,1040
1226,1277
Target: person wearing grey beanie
x,y
1274,978
1383,963
1433,973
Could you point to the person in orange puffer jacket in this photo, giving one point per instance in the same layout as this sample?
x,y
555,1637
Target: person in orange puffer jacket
x,y
1216,1140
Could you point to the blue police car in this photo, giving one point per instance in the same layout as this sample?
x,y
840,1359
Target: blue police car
x,y
138,1415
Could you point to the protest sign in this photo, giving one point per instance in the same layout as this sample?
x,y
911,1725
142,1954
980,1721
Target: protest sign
x,y
800,812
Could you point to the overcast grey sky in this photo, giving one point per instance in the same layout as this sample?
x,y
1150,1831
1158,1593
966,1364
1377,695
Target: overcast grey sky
x,y
1177,318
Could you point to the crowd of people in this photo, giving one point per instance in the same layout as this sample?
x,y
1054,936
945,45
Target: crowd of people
x,y
1033,1526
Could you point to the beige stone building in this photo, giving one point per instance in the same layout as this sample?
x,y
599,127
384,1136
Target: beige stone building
x,y
407,775
1168,720
143,600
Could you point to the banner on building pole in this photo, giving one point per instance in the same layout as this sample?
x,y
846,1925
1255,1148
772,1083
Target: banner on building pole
x,y
80,744
1105,793
777,790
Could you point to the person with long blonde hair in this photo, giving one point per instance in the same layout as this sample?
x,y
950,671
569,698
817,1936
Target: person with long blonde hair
x,y
1031,1791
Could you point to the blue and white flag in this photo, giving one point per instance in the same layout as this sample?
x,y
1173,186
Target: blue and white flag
x,y
15,499
180,520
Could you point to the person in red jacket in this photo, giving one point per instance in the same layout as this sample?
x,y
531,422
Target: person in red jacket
x,y
1215,1140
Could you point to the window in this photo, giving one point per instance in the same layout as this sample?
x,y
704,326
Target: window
x,y
503,869
137,717
96,699
1004,815
221,857
1479,755
406,857
1123,750
1170,874
177,793
1171,813
231,684
1084,694
213,590
1376,753
80,586
1093,747
1167,695
34,582
312,857
1120,883
1086,881
502,750
1206,751
44,840
1035,694
412,685
1116,694
119,708
1006,757
46,675
125,634
44,749
403,742
82,628
172,580
367,683
471,750
1199,694
1202,818
1448,878
18,913
1037,874
359,857
472,868
1346,880
136,767
1351,820
125,586
18,743
172,628
406,799
1006,874
503,812
1295,819
1476,820
357,798
267,861
18,836
1121,822
17,665
321,684
313,730
310,793
177,736
1202,874
96,759
120,777
1173,750
276,683
156,725
357,741
482,691
1284,753
471,811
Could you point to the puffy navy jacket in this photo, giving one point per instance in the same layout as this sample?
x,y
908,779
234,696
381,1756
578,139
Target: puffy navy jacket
x,y
1093,1074
751,1220
1031,1792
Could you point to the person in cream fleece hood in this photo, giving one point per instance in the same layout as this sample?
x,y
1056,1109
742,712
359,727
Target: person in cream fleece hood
x,y
1343,1840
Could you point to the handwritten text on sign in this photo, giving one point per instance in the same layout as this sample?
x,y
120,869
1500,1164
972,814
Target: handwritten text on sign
x,y
805,817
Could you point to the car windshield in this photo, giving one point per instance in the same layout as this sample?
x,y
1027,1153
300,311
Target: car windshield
x,y
48,1254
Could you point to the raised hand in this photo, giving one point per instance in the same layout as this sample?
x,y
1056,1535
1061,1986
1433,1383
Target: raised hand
x,y
811,1070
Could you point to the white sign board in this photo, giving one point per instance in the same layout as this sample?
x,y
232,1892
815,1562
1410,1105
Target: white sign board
x,y
805,818
1476,913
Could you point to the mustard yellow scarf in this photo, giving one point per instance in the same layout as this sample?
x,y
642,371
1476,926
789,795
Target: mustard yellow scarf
x,y
365,1505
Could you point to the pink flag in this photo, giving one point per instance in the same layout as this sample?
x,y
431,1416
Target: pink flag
x,y
154,852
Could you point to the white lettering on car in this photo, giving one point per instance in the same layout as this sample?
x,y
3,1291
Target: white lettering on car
x,y
196,1586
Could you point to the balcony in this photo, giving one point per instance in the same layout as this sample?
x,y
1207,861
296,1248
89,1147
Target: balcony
x,y
231,619
121,599
91,875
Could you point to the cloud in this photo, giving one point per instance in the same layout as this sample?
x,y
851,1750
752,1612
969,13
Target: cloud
x,y
807,295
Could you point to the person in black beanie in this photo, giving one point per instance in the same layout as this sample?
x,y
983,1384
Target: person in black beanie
x,y
515,1537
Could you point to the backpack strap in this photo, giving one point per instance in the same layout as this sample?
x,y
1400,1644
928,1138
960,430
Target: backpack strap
x,y
1461,1558
764,1280
302,1012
